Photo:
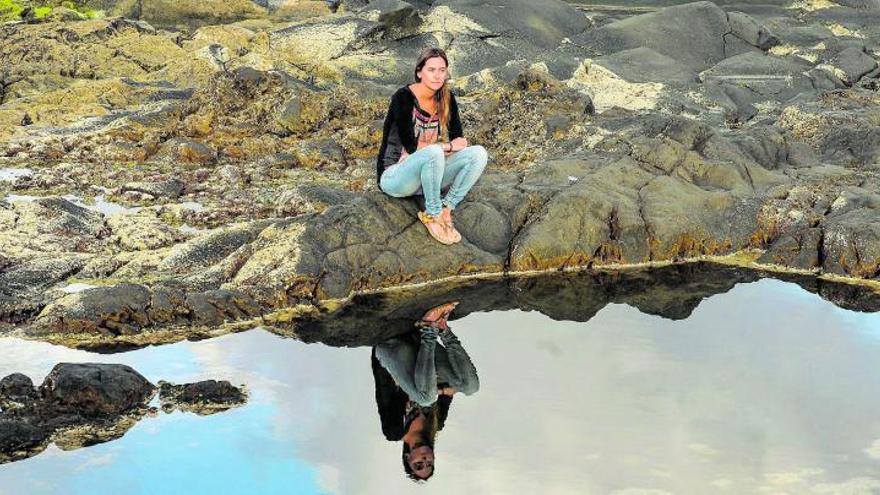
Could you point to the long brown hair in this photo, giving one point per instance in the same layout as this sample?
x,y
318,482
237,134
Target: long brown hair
x,y
443,95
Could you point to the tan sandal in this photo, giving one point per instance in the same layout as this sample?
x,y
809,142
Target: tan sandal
x,y
446,218
428,221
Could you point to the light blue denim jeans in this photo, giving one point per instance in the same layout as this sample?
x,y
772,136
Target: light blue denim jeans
x,y
428,171
418,370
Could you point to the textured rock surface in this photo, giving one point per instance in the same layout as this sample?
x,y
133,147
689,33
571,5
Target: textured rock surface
x,y
244,152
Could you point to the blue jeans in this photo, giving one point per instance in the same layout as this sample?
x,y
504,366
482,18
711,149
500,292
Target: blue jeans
x,y
428,171
417,370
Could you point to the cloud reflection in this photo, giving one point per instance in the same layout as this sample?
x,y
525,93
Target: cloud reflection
x,y
760,389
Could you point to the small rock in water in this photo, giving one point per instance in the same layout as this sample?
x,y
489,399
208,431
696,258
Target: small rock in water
x,y
203,398
16,390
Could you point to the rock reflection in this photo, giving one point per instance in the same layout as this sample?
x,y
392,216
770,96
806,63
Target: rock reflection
x,y
672,292
416,380
79,405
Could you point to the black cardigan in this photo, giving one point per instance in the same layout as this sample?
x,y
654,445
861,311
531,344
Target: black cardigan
x,y
398,122
391,403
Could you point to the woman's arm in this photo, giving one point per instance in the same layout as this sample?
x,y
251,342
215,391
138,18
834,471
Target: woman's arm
x,y
402,108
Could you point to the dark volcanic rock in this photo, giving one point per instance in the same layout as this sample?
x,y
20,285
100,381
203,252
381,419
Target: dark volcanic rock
x,y
696,34
16,390
166,189
747,29
645,65
766,77
203,398
95,389
854,64
395,14
542,24
20,439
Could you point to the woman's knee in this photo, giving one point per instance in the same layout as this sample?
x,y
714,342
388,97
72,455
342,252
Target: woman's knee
x,y
478,158
476,154
435,153
470,387
481,155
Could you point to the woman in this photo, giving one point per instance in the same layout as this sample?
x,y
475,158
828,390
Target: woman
x,y
423,149
415,382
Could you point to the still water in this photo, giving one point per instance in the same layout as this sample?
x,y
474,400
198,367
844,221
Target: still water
x,y
765,388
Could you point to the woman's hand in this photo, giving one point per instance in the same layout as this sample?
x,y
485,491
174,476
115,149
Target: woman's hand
x,y
450,391
459,144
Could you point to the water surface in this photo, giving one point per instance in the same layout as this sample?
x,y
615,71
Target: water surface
x,y
766,388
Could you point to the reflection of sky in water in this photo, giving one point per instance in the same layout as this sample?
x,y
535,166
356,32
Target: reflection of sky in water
x,y
764,389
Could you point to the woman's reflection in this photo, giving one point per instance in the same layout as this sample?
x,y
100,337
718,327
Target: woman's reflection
x,y
415,382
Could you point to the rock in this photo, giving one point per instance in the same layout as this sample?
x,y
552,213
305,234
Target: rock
x,y
142,231
310,198
187,150
18,439
395,14
15,391
798,250
110,310
210,248
543,24
643,64
49,225
168,13
756,77
693,34
747,29
604,149
95,389
860,4
164,189
31,277
851,243
853,64
203,398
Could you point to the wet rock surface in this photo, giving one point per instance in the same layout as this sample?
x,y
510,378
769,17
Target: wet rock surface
x,y
638,134
83,404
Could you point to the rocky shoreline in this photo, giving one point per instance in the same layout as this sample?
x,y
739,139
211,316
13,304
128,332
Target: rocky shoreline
x,y
175,181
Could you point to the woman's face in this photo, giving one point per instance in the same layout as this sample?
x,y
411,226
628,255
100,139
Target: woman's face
x,y
421,460
433,73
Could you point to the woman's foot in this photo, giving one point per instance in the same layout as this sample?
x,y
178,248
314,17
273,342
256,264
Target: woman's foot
x,y
436,317
436,228
446,218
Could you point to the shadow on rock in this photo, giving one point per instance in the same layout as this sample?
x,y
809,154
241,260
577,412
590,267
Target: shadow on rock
x,y
79,405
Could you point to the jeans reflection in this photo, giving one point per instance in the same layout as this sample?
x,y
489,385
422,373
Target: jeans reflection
x,y
415,381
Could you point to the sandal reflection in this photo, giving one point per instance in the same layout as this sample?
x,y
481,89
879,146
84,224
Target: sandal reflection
x,y
416,379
